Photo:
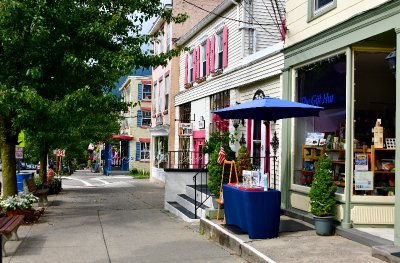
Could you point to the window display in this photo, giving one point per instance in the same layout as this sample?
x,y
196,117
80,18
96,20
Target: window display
x,y
323,84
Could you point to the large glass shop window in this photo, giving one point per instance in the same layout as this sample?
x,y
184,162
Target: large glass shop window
x,y
374,125
322,83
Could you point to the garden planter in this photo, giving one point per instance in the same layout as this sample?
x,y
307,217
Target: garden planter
x,y
324,225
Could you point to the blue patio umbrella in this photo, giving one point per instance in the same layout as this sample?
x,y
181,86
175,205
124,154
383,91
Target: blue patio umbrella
x,y
268,109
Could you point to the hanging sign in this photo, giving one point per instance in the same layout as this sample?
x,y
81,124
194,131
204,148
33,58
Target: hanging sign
x,y
185,129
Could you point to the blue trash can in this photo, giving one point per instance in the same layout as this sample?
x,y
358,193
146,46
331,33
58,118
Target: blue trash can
x,y
20,180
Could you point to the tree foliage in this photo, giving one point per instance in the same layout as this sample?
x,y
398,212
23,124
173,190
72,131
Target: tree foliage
x,y
57,60
212,147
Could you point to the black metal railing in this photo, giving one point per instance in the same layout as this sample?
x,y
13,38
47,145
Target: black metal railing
x,y
203,189
185,160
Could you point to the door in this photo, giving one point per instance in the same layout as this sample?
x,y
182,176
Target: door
x,y
198,156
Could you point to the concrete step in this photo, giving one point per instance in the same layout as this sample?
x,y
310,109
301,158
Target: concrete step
x,y
202,195
181,212
189,204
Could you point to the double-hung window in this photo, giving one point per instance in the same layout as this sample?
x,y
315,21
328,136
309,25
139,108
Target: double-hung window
x,y
203,59
146,92
320,7
144,151
146,118
154,101
160,90
166,94
190,67
219,51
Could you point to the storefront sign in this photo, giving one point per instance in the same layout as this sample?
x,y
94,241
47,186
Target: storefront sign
x,y
363,180
185,129
319,99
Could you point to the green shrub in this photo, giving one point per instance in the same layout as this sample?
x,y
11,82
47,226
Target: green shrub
x,y
322,192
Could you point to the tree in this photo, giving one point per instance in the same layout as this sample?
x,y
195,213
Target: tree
x,y
212,147
50,49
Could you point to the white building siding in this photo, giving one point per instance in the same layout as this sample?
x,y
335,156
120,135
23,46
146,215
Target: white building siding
x,y
297,17
266,68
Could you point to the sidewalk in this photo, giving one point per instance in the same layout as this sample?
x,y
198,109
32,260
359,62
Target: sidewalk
x,y
298,242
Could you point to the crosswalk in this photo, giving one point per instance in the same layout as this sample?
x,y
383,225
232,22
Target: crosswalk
x,y
91,180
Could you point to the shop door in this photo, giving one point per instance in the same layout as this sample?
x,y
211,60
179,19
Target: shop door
x,y
198,156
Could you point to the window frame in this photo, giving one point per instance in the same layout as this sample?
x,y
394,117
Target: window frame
x,y
166,91
144,151
146,115
144,94
203,61
219,49
190,67
314,13
154,99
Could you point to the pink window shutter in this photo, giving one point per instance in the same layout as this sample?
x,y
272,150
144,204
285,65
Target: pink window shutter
x,y
186,68
208,57
194,63
212,53
225,47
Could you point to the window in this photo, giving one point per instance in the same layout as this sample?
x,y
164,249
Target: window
x,y
168,36
219,51
161,43
146,118
220,100
143,150
190,67
203,60
320,7
160,90
154,101
146,92
167,88
322,83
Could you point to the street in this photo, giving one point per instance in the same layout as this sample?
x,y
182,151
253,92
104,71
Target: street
x,y
97,218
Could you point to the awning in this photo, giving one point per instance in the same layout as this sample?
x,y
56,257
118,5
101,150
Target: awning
x,y
123,137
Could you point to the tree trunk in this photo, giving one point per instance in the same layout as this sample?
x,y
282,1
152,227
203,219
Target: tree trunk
x,y
7,147
43,166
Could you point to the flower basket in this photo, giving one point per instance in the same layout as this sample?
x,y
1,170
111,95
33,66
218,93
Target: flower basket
x,y
188,85
216,72
200,80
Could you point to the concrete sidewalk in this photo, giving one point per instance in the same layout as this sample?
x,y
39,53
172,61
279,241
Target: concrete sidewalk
x,y
122,223
126,222
298,242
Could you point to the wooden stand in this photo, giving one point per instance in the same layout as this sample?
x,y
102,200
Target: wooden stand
x,y
220,200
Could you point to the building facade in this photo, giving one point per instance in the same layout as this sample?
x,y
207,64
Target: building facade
x,y
134,134
165,83
231,55
336,56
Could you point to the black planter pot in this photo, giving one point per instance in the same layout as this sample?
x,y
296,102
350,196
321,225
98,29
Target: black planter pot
x,y
324,225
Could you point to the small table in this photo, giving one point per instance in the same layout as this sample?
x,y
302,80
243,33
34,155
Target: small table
x,y
255,212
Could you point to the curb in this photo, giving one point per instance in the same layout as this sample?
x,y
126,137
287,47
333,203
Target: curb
x,y
224,238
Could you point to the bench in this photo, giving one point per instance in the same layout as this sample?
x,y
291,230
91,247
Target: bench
x,y
40,193
8,228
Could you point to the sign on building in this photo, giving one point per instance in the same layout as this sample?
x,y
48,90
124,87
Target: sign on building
x,y
185,129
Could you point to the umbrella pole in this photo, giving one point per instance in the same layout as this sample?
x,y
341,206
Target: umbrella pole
x,y
275,146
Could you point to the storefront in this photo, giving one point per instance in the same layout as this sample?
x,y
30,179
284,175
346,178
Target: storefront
x,y
345,70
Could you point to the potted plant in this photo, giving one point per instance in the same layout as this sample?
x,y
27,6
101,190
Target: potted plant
x,y
322,196
243,161
18,204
